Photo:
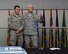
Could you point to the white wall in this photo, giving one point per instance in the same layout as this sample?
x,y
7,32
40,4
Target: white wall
x,y
5,4
47,4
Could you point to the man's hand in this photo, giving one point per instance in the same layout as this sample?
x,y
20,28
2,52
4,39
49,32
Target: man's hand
x,y
41,18
17,32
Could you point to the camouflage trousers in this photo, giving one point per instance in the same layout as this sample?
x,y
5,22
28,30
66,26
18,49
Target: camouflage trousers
x,y
34,41
16,40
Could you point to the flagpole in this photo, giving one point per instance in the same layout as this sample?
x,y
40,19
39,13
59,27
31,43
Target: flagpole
x,y
37,31
51,31
8,38
63,33
57,40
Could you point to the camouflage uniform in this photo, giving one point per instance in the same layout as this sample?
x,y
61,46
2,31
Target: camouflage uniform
x,y
30,29
14,23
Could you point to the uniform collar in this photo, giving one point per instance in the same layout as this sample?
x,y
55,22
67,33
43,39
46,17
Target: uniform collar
x,y
28,15
15,15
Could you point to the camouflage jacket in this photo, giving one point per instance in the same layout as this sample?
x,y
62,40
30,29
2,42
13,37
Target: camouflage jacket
x,y
30,23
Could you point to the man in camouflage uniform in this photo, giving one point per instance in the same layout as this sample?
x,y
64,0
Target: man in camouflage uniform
x,y
30,27
15,26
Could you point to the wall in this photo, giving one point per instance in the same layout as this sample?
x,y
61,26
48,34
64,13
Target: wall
x,y
38,4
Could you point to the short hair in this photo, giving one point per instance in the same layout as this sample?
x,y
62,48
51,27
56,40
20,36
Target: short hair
x,y
16,6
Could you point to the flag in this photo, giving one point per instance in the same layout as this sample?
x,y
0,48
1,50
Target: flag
x,y
63,32
57,40
38,34
43,40
37,31
8,38
9,12
22,11
51,31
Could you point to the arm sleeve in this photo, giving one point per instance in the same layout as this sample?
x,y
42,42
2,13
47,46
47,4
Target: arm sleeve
x,y
10,24
23,23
